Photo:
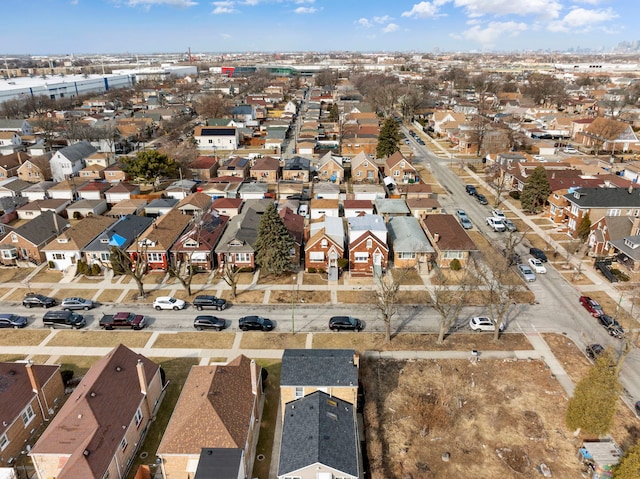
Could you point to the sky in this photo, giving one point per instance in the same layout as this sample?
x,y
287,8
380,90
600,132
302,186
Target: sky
x,y
154,26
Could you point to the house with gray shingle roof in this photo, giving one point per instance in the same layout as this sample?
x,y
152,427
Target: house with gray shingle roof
x,y
609,228
409,243
68,161
319,439
120,234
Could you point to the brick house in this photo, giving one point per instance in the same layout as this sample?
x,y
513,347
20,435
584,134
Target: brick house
x,y
227,206
409,243
236,166
368,250
265,170
101,427
226,416
30,394
363,169
296,169
330,168
35,169
295,225
400,168
203,168
325,245
450,241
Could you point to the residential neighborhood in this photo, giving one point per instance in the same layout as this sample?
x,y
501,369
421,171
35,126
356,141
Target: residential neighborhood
x,y
471,221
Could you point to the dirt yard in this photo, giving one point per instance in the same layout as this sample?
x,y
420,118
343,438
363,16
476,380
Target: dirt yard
x,y
488,424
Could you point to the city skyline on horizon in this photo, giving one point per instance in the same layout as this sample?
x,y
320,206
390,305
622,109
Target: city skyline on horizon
x,y
233,26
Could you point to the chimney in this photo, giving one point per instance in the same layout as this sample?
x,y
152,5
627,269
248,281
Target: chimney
x,y
254,377
37,389
356,360
436,237
142,377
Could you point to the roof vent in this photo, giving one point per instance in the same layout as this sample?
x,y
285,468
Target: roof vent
x,y
118,368
93,394
86,452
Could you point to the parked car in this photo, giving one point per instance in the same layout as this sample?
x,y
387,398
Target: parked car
x,y
345,322
464,219
594,350
76,303
537,266
498,214
526,273
123,319
495,223
471,190
64,319
8,320
509,225
205,301
209,322
591,305
38,300
482,199
538,253
483,323
255,322
611,325
168,302
570,149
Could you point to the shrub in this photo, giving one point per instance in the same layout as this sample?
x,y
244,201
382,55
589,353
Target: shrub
x,y
455,265
82,267
312,270
77,215
619,274
96,269
52,265
343,263
67,375
515,195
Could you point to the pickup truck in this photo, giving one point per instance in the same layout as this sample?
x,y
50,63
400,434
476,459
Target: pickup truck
x,y
123,320
495,223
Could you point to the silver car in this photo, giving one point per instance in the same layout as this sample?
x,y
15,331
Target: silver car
x,y
76,303
526,273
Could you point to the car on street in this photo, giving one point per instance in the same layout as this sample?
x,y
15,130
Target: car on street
x,y
538,253
570,149
9,320
611,325
168,302
526,273
209,322
510,225
498,214
337,323
483,323
471,190
464,219
594,350
495,223
76,303
123,319
35,300
255,322
591,305
206,301
537,266
482,199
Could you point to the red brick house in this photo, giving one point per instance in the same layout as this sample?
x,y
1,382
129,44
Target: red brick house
x,y
295,225
325,245
203,168
266,170
449,240
368,249
196,245
400,168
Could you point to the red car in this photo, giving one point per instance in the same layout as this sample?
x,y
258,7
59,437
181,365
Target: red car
x,y
592,306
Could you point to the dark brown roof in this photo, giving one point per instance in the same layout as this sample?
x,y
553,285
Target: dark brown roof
x,y
351,204
214,409
165,231
92,418
452,237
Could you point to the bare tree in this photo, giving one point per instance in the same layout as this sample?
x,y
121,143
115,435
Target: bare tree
x,y
231,276
49,127
448,298
212,105
385,297
135,266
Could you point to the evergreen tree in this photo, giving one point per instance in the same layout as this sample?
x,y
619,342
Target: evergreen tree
x,y
388,138
274,243
593,404
150,166
584,228
629,467
536,190
334,113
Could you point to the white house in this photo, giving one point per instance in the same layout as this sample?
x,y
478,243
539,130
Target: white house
x,y
216,137
68,161
9,139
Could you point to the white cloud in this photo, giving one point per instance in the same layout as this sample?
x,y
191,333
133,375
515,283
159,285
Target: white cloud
x,y
382,20
478,8
171,3
225,35
588,2
392,27
224,7
363,22
488,36
582,20
422,10
303,10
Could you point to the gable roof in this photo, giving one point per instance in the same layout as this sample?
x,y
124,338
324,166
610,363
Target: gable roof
x,y
451,236
121,233
242,230
319,367
80,234
214,409
107,397
407,235
266,163
78,151
604,198
320,429
43,227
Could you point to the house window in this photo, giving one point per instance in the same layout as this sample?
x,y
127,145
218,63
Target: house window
x,y
406,255
105,256
613,212
9,253
361,257
324,243
4,442
58,255
299,392
138,416
243,258
396,173
14,237
316,256
370,174
453,255
27,415
369,243
155,257
123,444
359,173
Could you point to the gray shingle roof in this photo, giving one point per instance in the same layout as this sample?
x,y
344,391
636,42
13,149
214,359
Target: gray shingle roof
x,y
319,429
78,151
127,229
42,227
604,198
318,367
219,463
407,235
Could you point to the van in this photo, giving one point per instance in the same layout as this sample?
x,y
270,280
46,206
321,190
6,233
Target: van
x,y
64,319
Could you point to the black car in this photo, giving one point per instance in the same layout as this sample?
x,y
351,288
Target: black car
x,y
594,350
8,320
209,322
471,190
38,300
538,253
345,322
482,199
208,301
611,325
255,322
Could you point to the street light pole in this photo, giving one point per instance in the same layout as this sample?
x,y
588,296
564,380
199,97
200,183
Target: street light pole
x,y
293,305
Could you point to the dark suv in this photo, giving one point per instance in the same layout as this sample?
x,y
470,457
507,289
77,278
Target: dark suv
x,y
255,322
345,322
209,322
471,190
38,300
538,253
207,301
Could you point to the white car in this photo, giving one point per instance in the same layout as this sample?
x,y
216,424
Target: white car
x,y
483,323
496,223
537,266
570,149
498,214
168,302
